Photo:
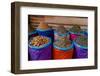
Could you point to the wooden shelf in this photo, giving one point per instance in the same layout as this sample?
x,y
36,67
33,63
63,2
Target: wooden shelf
x,y
58,20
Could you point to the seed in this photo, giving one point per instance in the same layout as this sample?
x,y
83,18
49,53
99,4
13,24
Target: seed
x,y
39,41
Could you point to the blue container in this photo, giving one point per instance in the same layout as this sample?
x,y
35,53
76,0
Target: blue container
x,y
84,33
80,51
40,53
64,49
63,53
48,33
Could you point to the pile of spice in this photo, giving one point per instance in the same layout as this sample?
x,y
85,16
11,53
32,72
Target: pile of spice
x,y
62,42
82,40
61,30
75,29
43,26
39,41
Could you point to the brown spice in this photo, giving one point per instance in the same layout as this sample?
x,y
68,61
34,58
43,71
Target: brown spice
x,y
43,26
39,41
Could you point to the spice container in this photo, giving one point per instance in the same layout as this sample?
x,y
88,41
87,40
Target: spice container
x,y
44,30
60,31
74,32
63,49
81,47
40,48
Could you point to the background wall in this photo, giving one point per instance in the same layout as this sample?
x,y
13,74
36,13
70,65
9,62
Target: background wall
x,y
5,36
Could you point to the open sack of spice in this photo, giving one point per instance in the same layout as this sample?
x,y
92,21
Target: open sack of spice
x,y
81,47
63,48
60,31
39,41
40,48
74,31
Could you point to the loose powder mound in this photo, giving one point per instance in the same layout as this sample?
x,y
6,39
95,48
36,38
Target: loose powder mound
x,y
39,41
75,29
62,42
82,40
61,30
43,26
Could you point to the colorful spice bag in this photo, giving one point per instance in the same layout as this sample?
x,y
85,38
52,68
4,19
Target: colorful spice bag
x,y
74,32
40,48
81,47
63,49
44,30
60,31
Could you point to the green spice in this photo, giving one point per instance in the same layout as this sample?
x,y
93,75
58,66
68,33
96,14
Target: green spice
x,y
61,30
75,29
82,40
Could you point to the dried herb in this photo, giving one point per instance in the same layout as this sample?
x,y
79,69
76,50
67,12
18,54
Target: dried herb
x,y
60,30
82,40
62,42
75,29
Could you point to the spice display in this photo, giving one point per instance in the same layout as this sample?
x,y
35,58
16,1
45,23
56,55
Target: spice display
x,y
75,29
62,42
40,48
81,47
39,41
56,39
60,30
63,49
82,40
74,32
